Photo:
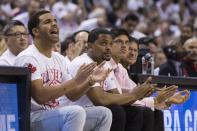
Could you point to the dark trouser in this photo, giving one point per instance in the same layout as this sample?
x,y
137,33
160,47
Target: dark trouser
x,y
139,118
136,118
159,122
118,118
148,119
126,118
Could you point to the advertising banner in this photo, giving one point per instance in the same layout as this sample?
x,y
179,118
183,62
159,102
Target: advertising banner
x,y
182,117
8,107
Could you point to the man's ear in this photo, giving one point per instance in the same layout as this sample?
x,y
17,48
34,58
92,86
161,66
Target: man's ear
x,y
35,31
7,42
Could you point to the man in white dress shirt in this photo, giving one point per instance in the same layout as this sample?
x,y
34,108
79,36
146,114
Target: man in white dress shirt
x,y
16,37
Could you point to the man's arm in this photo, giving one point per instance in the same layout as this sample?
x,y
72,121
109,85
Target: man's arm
x,y
43,94
99,97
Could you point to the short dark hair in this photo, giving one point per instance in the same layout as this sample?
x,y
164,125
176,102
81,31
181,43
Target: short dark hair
x,y
93,35
34,20
76,33
10,25
119,31
132,17
134,40
65,44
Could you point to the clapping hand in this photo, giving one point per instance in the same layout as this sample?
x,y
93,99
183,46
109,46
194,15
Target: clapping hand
x,y
152,87
164,93
179,98
79,45
84,72
99,74
143,90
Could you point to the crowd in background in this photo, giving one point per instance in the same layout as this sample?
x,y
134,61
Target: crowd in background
x,y
103,43
162,27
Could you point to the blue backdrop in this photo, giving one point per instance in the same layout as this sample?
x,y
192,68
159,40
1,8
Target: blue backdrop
x,y
182,117
8,107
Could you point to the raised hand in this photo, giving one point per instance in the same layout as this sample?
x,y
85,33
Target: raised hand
x,y
148,80
79,45
84,72
152,87
179,98
164,93
99,74
142,90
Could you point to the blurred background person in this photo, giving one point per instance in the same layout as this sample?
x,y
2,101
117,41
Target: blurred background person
x,y
68,49
190,60
67,14
3,45
174,65
32,7
130,22
57,47
80,39
187,32
160,58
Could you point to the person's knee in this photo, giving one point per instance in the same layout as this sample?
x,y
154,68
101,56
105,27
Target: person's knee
x,y
75,112
79,112
118,112
106,113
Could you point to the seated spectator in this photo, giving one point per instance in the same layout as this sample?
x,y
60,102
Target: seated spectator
x,y
16,38
160,58
174,53
187,32
130,22
57,47
75,45
66,48
3,45
190,60
80,38
52,85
